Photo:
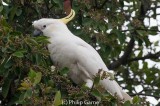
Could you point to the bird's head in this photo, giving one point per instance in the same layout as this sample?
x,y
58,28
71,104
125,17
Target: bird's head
x,y
45,25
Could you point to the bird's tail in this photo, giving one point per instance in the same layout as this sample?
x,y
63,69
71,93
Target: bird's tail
x,y
114,89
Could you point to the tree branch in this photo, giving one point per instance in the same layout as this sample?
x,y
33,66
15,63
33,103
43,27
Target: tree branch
x,y
144,29
144,94
123,59
67,6
148,56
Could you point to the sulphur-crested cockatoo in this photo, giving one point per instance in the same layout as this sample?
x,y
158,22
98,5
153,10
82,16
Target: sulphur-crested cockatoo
x,y
68,50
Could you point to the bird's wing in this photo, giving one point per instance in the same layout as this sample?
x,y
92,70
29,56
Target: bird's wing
x,y
89,61
88,57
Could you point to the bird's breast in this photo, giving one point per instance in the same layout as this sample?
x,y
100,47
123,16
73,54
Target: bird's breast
x,y
61,53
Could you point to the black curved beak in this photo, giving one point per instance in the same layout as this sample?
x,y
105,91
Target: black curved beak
x,y
37,32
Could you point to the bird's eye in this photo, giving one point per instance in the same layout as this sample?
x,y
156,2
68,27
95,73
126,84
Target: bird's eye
x,y
44,26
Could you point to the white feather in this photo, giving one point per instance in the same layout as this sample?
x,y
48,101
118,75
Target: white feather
x,y
68,50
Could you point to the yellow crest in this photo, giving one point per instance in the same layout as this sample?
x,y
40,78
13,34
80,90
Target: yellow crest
x,y
69,17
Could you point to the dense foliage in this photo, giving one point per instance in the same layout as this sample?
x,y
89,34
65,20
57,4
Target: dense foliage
x,y
119,30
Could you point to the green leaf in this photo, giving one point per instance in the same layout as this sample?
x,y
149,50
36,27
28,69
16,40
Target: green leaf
x,y
140,42
121,36
6,85
8,64
18,54
130,27
12,48
140,32
13,100
155,28
32,75
39,1
25,95
108,50
38,77
18,12
102,27
146,40
96,93
4,23
28,93
4,64
127,103
1,8
13,12
21,98
106,94
57,99
16,33
96,80
77,32
156,43
152,32
87,21
31,41
121,3
38,59
110,26
64,71
140,54
35,77
41,39
3,49
136,99
145,65
59,2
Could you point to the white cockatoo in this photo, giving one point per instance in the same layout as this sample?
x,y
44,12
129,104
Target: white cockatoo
x,y
68,50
